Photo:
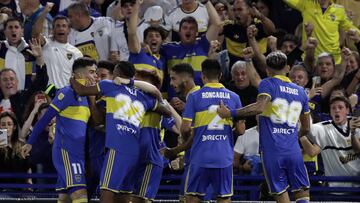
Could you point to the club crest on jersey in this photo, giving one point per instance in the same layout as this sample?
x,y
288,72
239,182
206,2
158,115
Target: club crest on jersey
x,y
69,55
61,96
77,178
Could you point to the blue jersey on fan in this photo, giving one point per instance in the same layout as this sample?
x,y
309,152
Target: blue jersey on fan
x,y
125,108
148,62
279,121
213,140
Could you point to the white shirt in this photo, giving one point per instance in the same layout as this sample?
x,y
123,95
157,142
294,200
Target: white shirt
x,y
95,40
172,21
64,4
248,143
59,59
336,150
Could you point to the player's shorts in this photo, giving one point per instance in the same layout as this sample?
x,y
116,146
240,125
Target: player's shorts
x,y
199,178
117,174
148,180
70,169
283,170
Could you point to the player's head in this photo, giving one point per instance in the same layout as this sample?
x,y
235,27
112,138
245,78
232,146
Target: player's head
x,y
78,13
153,37
8,82
150,77
13,31
325,66
61,28
339,109
298,75
188,30
9,122
105,70
210,71
239,75
277,63
84,69
181,75
124,69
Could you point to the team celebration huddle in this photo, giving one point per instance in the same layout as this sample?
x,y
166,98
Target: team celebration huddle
x,y
112,94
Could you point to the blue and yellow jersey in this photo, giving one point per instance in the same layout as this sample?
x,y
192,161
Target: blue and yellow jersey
x,y
148,62
213,145
125,109
175,53
278,124
71,121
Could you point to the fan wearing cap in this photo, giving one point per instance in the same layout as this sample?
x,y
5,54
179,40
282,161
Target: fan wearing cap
x,y
145,58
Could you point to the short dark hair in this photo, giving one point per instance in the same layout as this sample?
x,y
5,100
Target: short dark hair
x,y
276,60
7,70
123,2
126,68
78,6
183,68
343,99
60,17
153,77
188,19
108,65
158,29
289,38
82,62
211,69
12,19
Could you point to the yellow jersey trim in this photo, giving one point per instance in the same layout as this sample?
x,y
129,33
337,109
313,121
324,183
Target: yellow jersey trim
x,y
282,77
56,108
81,113
214,85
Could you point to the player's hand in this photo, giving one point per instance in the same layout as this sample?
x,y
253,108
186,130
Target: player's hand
x,y
169,153
223,111
175,164
25,150
177,104
251,31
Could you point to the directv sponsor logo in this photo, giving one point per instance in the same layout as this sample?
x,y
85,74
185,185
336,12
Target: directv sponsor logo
x,y
213,137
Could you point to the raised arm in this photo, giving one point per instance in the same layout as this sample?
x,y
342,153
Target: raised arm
x,y
37,28
310,62
251,72
133,40
269,27
258,56
215,22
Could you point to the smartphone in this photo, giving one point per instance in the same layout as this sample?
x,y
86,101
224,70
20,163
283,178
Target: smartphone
x,y
356,113
3,137
317,81
40,97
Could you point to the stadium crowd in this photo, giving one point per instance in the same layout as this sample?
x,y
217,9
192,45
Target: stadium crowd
x,y
65,66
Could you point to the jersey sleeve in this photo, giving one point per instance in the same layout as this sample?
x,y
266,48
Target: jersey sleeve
x,y
305,109
189,111
105,86
62,99
238,103
265,88
204,42
150,102
168,123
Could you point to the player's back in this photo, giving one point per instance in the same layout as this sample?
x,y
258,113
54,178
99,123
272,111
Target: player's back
x,y
213,140
278,123
125,109
71,121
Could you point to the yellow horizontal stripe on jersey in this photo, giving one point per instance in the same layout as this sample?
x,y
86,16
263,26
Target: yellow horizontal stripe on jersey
x,y
143,66
81,113
204,118
2,63
234,48
151,120
112,106
28,68
263,45
194,61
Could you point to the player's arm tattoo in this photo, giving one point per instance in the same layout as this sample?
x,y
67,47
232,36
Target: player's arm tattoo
x,y
254,108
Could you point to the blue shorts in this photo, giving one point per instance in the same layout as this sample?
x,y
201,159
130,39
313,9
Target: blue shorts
x,y
148,180
117,172
199,179
283,170
70,169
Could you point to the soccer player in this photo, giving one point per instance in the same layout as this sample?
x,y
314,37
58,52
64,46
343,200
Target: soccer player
x,y
212,148
280,104
150,166
72,114
125,109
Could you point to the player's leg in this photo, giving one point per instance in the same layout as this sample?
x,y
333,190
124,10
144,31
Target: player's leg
x,y
107,196
63,198
196,182
148,181
78,195
276,176
302,196
298,178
